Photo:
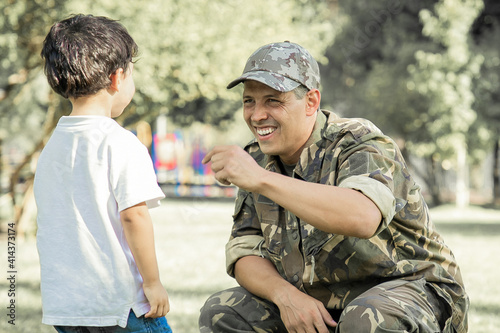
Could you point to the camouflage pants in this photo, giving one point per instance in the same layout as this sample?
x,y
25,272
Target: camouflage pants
x,y
395,306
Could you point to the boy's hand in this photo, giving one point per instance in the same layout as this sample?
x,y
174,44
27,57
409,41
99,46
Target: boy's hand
x,y
158,300
138,229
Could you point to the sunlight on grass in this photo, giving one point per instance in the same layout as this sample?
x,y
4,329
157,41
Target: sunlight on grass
x,y
474,236
190,240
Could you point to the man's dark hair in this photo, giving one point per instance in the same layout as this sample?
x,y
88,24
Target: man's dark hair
x,y
300,91
81,52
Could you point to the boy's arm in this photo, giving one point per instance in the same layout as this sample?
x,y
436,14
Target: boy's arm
x,y
138,229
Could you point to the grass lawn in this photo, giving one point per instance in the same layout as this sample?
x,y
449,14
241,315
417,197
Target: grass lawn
x,y
190,239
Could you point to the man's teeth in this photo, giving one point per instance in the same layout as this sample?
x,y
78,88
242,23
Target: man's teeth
x,y
265,131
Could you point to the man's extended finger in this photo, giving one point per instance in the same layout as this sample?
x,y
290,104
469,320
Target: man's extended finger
x,y
207,157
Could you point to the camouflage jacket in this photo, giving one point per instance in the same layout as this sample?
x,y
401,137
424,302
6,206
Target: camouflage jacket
x,y
335,269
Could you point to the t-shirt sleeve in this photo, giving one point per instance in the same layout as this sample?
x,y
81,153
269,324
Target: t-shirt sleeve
x,y
132,175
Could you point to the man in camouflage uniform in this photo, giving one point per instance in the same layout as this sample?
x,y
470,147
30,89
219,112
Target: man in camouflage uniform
x,y
331,233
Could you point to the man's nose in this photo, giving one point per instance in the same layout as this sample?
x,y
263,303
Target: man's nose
x,y
259,113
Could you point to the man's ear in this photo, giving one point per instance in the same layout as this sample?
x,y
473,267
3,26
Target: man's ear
x,y
116,79
313,98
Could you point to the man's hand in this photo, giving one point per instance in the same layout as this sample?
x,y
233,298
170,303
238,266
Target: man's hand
x,y
303,313
158,300
233,165
299,312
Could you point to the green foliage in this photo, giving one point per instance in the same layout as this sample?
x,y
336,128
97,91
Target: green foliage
x,y
414,69
201,45
487,86
367,75
23,89
189,51
411,68
446,77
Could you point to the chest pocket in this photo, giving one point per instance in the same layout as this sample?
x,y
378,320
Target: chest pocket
x,y
314,239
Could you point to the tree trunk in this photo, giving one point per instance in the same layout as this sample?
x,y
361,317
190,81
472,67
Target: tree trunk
x,y
27,213
432,181
53,114
463,195
496,174
430,174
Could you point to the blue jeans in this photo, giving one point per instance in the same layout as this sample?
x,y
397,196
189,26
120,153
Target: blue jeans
x,y
134,325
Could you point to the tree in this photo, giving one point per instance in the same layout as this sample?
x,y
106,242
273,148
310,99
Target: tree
x,y
368,76
28,111
447,79
410,67
486,29
189,51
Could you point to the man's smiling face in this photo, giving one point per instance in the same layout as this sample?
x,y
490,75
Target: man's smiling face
x,y
279,121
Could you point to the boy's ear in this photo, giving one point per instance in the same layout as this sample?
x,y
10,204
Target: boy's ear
x,y
116,79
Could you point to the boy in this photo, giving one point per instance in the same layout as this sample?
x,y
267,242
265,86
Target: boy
x,y
93,186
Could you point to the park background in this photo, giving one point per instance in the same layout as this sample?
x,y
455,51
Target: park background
x,y
426,72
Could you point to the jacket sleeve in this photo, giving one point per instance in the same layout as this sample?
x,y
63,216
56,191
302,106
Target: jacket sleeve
x,y
373,165
246,235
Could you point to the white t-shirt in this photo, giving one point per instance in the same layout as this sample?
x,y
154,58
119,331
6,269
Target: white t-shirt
x,y
89,171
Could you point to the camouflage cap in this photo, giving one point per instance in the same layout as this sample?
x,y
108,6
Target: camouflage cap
x,y
282,66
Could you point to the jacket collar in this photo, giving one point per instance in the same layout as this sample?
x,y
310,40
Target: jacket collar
x,y
311,158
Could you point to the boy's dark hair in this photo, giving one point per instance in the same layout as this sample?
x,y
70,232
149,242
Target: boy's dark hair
x,y
81,52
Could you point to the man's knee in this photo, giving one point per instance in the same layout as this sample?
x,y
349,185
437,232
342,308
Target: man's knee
x,y
398,307
217,307
373,314
237,310
366,314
